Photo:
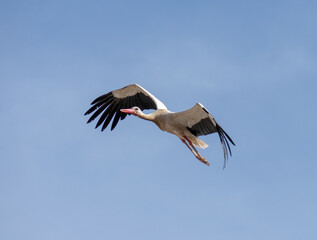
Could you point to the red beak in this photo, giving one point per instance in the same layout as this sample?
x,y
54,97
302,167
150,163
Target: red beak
x,y
130,111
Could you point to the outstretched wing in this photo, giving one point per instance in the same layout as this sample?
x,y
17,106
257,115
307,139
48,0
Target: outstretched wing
x,y
200,122
110,104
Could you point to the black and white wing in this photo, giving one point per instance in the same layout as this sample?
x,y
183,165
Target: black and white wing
x,y
200,122
109,105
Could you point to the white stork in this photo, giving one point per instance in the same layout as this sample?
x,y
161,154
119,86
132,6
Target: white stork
x,y
186,125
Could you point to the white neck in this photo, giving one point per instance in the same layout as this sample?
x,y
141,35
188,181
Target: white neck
x,y
149,117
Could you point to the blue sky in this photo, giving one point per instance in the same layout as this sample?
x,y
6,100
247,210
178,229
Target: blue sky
x,y
251,63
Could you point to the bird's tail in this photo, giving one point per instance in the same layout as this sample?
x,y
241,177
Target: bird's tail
x,y
199,143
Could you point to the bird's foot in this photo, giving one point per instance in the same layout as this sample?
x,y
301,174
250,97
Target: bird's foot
x,y
203,160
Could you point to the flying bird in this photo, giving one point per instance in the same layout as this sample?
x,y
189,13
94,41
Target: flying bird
x,y
186,125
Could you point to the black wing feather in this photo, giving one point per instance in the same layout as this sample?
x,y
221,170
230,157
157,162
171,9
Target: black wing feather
x,y
207,126
117,117
223,136
102,98
109,107
115,120
109,117
203,127
104,115
98,104
99,110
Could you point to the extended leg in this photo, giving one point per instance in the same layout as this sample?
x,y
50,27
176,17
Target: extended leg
x,y
189,147
195,152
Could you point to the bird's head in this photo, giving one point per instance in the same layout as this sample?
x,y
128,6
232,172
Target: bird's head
x,y
136,111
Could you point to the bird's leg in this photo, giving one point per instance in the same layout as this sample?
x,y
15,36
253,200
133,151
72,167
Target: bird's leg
x,y
198,156
196,153
189,147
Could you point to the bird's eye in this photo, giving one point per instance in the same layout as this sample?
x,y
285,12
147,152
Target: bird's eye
x,y
137,109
